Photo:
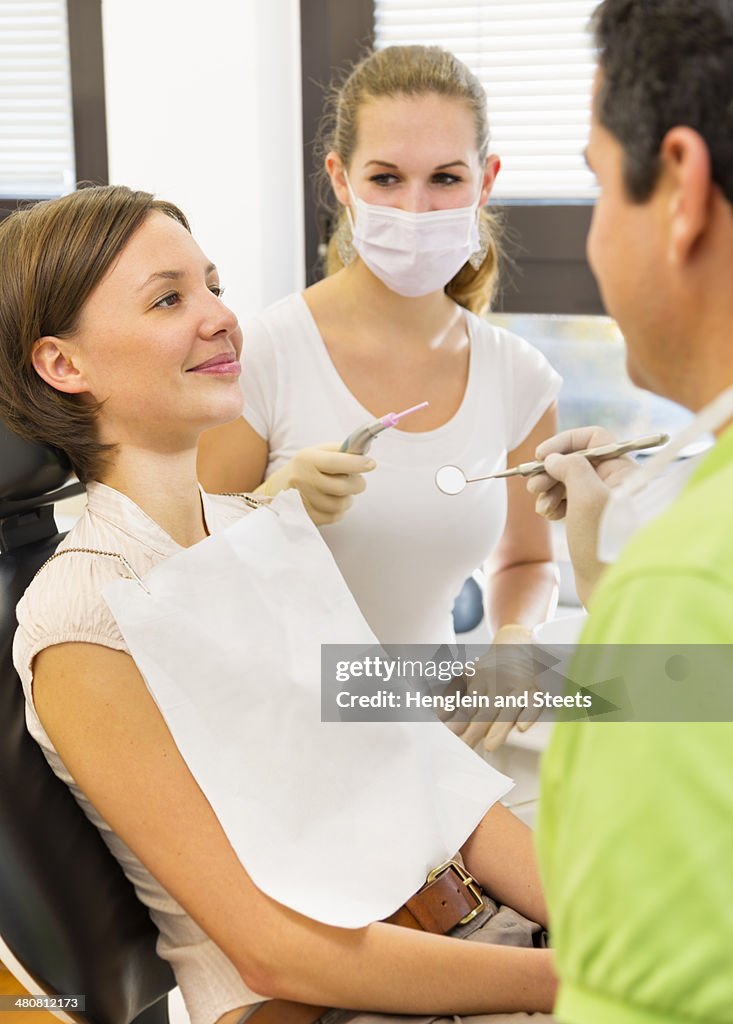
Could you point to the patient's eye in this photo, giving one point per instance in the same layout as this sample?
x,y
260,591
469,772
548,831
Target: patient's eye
x,y
216,289
168,301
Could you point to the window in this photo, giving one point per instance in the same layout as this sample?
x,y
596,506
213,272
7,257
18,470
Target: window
x,y
37,155
51,98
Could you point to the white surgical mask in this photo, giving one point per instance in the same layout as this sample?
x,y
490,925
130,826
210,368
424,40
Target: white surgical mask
x,y
651,490
413,253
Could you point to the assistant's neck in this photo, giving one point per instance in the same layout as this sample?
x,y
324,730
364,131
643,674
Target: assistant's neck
x,y
417,321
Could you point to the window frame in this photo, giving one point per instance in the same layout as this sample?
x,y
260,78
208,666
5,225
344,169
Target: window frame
x,y
86,65
546,272
333,36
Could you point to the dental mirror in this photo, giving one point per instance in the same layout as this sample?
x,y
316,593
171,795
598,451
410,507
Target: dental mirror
x,y
450,479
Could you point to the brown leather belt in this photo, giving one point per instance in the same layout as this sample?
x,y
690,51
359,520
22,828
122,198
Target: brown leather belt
x,y
451,896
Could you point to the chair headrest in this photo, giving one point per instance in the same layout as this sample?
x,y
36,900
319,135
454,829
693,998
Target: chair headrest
x,y
29,470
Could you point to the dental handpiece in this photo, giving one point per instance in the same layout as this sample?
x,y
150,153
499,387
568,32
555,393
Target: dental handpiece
x,y
359,442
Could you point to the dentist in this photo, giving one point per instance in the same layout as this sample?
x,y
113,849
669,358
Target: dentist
x,y
642,919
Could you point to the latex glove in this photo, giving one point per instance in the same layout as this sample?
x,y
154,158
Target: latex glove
x,y
507,668
514,674
576,490
326,478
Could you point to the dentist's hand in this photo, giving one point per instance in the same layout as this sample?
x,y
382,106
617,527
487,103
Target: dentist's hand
x,y
575,489
326,478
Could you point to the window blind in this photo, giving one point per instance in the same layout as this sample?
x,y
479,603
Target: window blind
x,y
536,62
36,132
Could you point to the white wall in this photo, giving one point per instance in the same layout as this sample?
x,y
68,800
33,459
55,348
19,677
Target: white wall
x,y
204,109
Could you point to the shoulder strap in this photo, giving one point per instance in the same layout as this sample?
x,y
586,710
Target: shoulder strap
x,y
93,551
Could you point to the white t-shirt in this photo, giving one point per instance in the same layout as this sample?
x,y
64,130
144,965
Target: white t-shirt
x,y
403,547
64,603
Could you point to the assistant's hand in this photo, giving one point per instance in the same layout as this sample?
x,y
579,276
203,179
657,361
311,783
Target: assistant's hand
x,y
326,478
515,674
575,489
506,669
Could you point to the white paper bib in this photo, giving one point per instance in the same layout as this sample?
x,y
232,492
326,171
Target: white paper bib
x,y
339,821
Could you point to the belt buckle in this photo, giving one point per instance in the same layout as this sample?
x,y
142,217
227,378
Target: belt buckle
x,y
467,880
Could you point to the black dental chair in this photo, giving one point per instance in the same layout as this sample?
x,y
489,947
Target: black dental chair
x,y
68,915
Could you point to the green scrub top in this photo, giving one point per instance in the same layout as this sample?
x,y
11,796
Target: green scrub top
x,y
635,834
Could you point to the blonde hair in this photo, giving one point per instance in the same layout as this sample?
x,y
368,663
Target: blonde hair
x,y
413,71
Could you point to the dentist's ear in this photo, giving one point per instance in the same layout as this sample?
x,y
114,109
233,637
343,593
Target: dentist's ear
x,y
686,164
337,173
53,362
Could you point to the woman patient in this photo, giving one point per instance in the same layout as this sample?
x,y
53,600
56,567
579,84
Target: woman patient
x,y
115,346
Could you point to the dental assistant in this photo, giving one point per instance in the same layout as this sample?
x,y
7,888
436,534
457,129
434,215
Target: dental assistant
x,y
412,265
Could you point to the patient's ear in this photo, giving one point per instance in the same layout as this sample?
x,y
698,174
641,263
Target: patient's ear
x,y
53,361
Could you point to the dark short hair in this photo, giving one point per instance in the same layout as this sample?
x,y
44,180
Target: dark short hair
x,y
666,63
52,256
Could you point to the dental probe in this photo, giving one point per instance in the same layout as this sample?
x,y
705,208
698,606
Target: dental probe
x,y
452,480
359,442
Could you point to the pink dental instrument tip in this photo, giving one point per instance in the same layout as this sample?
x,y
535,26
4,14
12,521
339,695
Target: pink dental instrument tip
x,y
393,418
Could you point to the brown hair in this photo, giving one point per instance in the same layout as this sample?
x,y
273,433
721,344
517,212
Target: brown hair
x,y
412,71
52,256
